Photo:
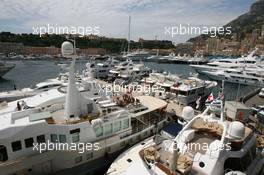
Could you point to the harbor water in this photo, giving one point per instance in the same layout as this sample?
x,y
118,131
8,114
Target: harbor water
x,y
28,72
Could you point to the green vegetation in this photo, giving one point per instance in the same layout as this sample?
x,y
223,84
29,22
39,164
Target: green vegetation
x,y
112,45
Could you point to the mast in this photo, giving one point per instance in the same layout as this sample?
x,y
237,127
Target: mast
x,y
129,23
72,97
222,102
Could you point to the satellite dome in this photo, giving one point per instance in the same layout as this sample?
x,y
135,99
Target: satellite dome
x,y
187,113
67,48
236,130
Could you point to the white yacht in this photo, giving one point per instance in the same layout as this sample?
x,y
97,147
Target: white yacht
x,y
27,92
184,91
132,75
153,78
88,87
220,64
137,55
101,70
121,67
207,145
128,71
189,90
153,57
244,76
72,137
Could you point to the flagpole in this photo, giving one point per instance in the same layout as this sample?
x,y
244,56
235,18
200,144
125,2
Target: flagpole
x,y
222,103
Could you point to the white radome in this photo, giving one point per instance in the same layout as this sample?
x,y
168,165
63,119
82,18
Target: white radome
x,y
236,130
67,48
187,113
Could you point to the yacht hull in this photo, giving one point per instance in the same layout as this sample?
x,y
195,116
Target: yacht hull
x,y
64,162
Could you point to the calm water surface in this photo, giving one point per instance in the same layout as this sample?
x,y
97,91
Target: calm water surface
x,y
28,73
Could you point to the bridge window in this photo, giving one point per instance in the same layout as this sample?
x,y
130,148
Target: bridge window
x,y
41,139
75,137
16,146
29,142
108,128
125,123
62,138
117,126
54,138
99,131
3,153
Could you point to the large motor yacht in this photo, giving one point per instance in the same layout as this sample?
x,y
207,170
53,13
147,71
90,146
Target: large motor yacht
x,y
128,71
88,86
207,145
53,138
254,77
133,75
137,55
227,63
184,91
101,70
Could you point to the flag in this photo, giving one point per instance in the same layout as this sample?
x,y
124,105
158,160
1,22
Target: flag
x,y
198,102
210,98
221,95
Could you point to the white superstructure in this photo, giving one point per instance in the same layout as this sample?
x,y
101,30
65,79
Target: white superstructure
x,y
184,91
207,145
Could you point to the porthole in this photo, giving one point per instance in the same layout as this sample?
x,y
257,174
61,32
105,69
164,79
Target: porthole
x,y
201,164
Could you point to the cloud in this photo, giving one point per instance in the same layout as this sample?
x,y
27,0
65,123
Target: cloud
x,y
148,16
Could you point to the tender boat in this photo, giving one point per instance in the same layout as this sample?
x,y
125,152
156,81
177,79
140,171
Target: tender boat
x,y
28,92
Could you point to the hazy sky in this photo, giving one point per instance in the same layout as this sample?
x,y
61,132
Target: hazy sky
x,y
149,17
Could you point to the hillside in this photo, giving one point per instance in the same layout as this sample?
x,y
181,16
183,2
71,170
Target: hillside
x,y
245,23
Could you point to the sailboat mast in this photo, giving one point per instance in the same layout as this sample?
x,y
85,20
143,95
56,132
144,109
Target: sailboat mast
x,y
129,22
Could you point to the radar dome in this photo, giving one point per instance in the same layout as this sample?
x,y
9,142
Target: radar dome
x,y
67,48
187,113
236,130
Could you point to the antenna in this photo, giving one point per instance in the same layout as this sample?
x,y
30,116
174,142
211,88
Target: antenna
x,y
129,23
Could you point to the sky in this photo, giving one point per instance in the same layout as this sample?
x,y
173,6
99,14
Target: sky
x,y
149,18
